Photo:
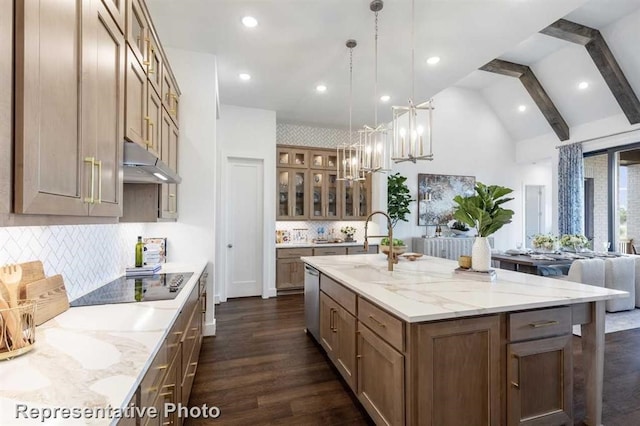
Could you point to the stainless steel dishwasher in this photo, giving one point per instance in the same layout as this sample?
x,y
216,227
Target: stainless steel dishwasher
x,y
312,301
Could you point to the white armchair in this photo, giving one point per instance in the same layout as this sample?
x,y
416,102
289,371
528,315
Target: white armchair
x,y
587,271
620,274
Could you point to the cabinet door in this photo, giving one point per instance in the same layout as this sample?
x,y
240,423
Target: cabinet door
x,y
51,176
380,379
154,64
324,195
293,198
103,114
169,154
363,198
136,106
289,274
323,159
170,95
540,385
349,194
117,9
455,369
345,327
6,96
328,335
137,31
154,120
293,157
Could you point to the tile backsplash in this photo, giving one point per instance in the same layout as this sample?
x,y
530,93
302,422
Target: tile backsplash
x,y
311,229
87,256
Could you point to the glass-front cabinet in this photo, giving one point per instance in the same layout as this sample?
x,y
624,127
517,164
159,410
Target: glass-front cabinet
x,y
292,157
292,194
356,199
324,195
324,160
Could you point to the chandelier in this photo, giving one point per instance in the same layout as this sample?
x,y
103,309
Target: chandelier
x,y
349,166
412,124
373,143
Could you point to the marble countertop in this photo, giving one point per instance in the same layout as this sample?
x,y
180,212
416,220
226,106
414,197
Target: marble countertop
x,y
309,245
90,356
428,289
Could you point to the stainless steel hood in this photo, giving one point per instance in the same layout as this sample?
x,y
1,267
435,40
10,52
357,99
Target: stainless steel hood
x,y
141,166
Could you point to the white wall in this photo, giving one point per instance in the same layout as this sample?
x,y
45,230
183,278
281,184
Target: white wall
x,y
248,133
192,237
468,139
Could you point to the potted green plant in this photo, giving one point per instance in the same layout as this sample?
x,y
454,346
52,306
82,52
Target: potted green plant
x,y
398,246
349,232
398,198
484,212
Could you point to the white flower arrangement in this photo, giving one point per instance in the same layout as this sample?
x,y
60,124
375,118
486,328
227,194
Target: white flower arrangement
x,y
349,231
573,240
544,241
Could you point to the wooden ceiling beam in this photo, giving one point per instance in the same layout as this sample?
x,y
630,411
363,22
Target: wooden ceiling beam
x,y
536,91
604,60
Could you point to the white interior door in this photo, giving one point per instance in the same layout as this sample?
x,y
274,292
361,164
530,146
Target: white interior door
x,y
534,211
244,225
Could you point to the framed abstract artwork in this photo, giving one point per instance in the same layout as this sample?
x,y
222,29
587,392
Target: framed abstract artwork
x,y
435,196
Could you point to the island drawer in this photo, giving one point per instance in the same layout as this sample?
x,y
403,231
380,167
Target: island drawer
x,y
339,293
152,380
373,249
539,324
383,324
329,251
288,253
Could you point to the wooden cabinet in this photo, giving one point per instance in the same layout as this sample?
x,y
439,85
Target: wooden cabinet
x,y
325,159
540,368
170,94
118,11
293,194
324,196
356,199
293,157
154,121
137,30
329,251
289,274
169,149
154,64
380,378
6,104
337,332
67,157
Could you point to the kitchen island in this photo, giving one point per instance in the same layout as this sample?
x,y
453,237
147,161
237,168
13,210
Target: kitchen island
x,y
101,356
423,345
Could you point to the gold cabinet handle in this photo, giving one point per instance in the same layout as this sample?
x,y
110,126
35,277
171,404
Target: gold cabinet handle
x,y
543,324
380,324
516,383
147,62
174,108
91,160
152,54
204,303
150,127
99,164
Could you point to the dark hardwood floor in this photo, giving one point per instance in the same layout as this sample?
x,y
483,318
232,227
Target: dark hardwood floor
x,y
262,368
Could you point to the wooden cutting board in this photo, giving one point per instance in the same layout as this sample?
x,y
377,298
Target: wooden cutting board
x,y
50,296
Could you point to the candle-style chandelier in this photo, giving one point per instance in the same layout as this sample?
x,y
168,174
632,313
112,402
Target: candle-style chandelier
x,y
412,124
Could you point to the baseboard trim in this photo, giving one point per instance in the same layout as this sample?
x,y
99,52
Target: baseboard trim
x,y
210,328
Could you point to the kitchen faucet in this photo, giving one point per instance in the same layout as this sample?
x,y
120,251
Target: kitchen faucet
x,y
391,257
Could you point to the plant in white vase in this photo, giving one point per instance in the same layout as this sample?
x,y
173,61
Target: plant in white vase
x,y
545,242
575,242
349,231
484,212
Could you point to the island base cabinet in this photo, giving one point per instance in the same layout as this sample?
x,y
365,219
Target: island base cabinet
x,y
455,372
380,378
540,388
337,337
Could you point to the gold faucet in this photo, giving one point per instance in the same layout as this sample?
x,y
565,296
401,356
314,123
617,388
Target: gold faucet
x,y
391,257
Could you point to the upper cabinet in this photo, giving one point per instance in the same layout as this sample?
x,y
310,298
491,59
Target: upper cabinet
x,y
327,197
68,108
118,10
6,113
138,31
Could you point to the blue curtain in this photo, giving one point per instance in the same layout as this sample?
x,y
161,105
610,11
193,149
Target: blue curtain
x,y
571,190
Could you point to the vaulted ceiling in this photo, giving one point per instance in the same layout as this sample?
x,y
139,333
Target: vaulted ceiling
x,y
299,44
561,66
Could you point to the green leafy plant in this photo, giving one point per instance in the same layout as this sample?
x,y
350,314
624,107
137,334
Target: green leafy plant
x,y
396,242
484,210
398,198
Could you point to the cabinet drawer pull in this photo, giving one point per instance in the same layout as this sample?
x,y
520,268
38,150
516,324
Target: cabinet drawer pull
x,y
91,160
195,364
543,323
358,356
515,385
99,164
380,324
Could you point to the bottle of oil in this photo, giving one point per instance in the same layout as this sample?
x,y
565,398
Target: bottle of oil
x,y
139,250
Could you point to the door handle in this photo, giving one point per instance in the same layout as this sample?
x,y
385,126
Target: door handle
x,y
229,245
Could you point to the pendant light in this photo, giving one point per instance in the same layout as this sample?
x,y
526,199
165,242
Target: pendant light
x,y
349,162
412,124
373,145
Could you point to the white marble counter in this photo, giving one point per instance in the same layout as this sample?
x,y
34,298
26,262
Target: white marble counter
x,y
311,245
90,356
427,289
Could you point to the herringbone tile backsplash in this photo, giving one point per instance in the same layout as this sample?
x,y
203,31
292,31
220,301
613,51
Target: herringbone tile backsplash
x,y
87,256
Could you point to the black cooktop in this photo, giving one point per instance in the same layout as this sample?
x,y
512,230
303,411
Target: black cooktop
x,y
136,289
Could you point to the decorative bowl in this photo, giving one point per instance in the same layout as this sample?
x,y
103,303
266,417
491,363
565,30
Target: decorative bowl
x,y
396,249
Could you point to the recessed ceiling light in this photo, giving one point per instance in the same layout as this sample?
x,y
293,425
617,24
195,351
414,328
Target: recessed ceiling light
x,y
385,98
433,60
321,88
522,108
249,22
583,85
244,76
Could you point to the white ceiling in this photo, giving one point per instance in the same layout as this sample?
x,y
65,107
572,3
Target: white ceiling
x,y
560,66
300,43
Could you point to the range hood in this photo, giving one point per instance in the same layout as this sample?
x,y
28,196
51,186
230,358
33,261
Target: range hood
x,y
141,166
